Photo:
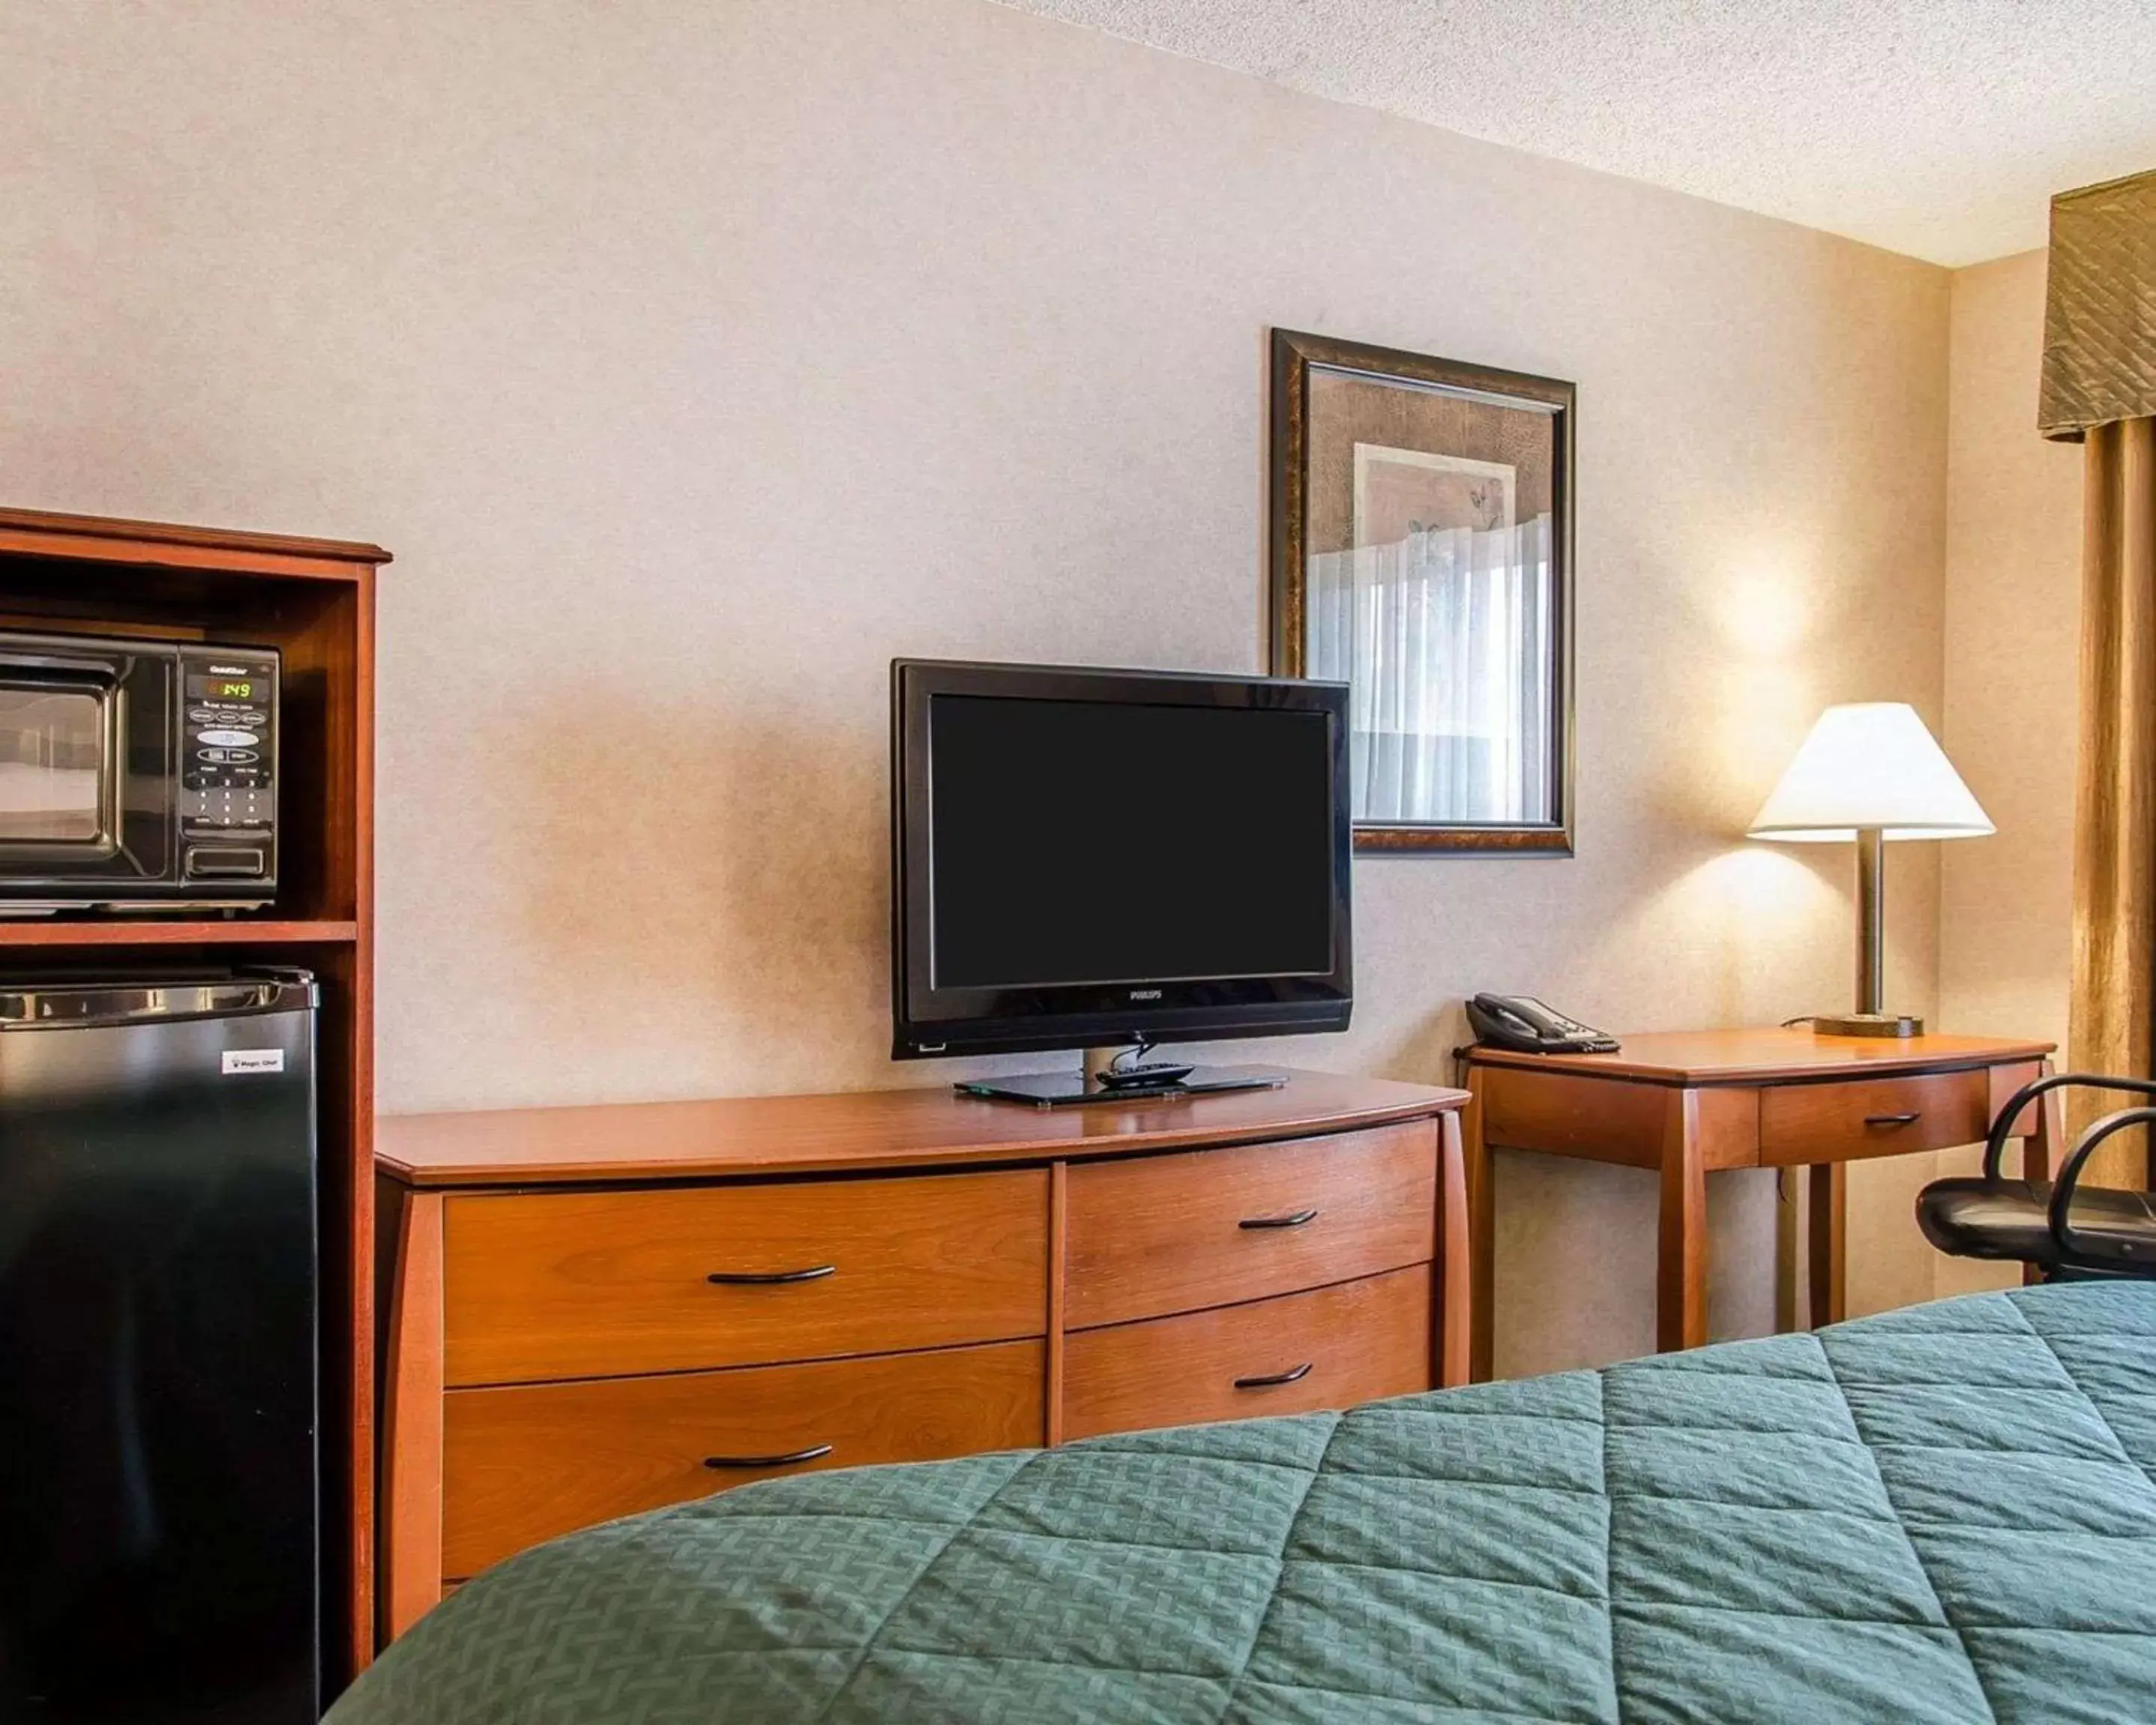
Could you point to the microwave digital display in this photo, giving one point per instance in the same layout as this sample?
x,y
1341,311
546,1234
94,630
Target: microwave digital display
x,y
249,689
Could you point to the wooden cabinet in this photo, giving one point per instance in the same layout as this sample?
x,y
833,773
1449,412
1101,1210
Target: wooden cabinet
x,y
313,600
600,1311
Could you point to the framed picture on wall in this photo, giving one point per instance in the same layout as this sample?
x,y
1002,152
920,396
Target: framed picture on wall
x,y
1421,552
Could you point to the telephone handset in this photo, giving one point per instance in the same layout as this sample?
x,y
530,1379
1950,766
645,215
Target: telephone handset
x,y
1527,1026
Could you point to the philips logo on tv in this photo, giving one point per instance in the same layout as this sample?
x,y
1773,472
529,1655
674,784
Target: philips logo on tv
x,y
1145,994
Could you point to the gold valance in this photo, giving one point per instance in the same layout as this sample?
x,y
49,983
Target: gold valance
x,y
2100,308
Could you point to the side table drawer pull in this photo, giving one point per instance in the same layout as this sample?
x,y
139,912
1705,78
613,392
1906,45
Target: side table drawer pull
x,y
1294,1374
1295,1220
770,1278
1908,1119
814,1452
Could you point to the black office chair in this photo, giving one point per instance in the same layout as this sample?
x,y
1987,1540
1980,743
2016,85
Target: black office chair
x,y
2070,1234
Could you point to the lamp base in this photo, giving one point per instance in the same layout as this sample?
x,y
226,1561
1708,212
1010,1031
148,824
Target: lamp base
x,y
1867,1023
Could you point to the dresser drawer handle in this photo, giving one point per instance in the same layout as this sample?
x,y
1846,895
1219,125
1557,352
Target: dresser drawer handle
x,y
1893,1119
814,1452
770,1278
1294,1374
1296,1220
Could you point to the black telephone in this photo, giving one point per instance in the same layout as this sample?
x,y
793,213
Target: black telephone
x,y
1527,1026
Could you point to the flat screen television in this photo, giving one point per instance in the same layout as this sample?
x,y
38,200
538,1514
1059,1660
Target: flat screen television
x,y
1087,859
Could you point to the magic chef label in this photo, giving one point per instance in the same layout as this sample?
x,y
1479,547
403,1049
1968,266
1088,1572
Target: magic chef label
x,y
253,1060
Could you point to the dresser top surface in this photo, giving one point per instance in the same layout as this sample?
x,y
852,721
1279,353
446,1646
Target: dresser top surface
x,y
1771,1055
929,1127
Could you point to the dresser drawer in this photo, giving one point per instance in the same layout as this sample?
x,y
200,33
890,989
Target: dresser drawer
x,y
570,1284
1873,1117
1329,1347
529,1461
1169,1233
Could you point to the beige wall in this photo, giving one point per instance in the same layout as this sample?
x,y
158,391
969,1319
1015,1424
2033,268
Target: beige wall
x,y
2013,506
694,360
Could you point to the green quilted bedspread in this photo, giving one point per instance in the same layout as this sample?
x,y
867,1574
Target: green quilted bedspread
x,y
1941,1514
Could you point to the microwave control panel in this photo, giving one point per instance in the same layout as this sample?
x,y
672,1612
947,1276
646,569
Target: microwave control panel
x,y
228,776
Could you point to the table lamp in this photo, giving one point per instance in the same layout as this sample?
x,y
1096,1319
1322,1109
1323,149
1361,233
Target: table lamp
x,y
1869,772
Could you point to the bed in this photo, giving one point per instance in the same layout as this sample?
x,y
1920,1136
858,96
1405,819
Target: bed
x,y
1941,1514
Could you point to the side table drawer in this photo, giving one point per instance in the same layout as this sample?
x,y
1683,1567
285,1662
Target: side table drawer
x,y
569,1284
1873,1116
1160,1234
527,1462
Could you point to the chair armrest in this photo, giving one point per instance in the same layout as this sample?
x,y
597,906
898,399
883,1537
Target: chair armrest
x,y
1994,1147
2070,1176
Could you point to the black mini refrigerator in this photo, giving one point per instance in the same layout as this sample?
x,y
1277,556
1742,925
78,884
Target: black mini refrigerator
x,y
158,1436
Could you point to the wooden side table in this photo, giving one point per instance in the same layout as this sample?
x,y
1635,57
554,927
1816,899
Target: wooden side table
x,y
1689,1103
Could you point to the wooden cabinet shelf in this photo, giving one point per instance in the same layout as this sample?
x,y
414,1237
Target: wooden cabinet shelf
x,y
218,933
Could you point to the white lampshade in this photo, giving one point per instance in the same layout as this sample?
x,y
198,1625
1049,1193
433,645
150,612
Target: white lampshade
x,y
1870,764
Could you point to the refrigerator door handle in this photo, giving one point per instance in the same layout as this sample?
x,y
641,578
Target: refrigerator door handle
x,y
240,996
23,1009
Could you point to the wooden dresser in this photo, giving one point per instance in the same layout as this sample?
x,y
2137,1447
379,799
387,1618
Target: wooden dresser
x,y
598,1311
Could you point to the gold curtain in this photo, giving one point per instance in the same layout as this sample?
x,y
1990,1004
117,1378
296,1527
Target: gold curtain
x,y
2112,1026
2100,308
2099,387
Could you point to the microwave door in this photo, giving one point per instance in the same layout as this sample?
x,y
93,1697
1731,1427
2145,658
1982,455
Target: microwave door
x,y
84,750
58,797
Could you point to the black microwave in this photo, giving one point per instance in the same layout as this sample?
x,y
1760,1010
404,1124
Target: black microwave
x,y
136,775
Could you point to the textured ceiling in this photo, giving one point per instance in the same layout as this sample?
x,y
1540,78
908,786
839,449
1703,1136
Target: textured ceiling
x,y
1935,127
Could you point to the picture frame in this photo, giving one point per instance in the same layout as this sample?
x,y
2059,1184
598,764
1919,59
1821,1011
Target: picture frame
x,y
1421,547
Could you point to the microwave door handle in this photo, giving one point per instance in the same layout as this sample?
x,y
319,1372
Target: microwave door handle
x,y
113,787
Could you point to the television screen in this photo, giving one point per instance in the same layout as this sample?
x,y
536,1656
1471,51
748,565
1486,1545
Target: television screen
x,y
1083,857
1091,841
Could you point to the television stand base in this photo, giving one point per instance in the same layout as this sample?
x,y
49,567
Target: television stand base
x,y
1058,1089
